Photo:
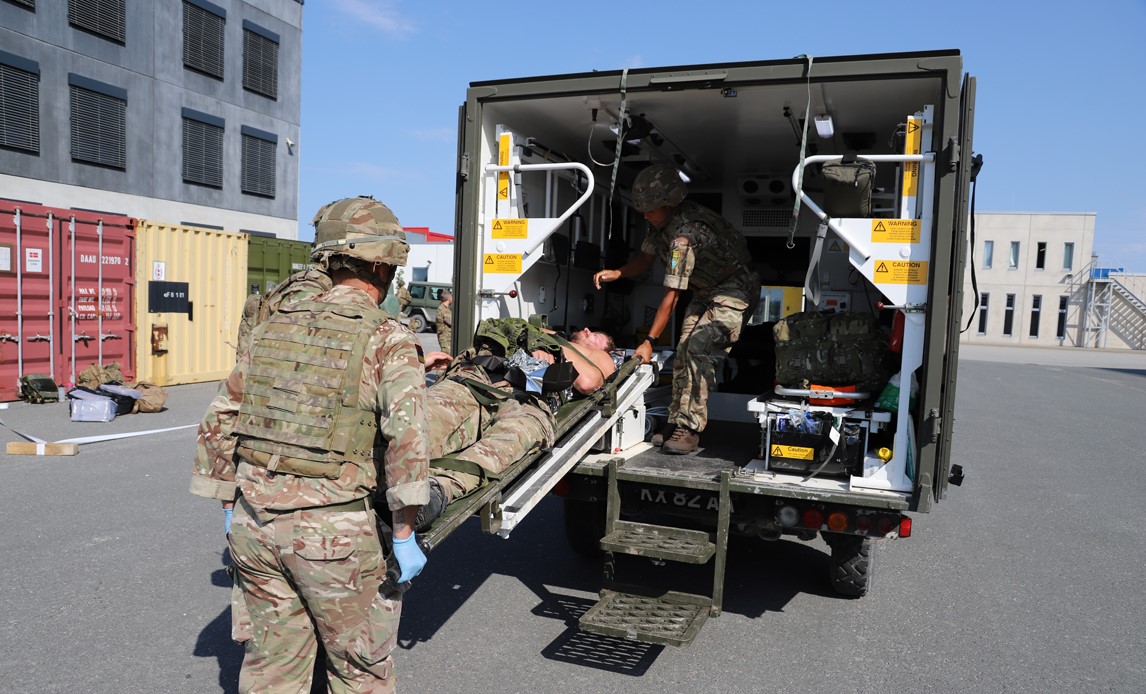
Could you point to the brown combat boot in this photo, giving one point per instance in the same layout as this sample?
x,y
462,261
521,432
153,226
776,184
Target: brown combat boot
x,y
683,440
664,434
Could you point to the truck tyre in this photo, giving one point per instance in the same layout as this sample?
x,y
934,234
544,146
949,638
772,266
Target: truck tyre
x,y
584,526
416,322
851,564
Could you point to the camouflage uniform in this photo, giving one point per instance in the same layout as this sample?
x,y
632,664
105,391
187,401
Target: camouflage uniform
x,y
301,285
404,298
444,324
493,437
306,551
715,265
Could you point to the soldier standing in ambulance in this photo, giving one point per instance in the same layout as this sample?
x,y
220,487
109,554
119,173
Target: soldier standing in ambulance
x,y
291,440
702,252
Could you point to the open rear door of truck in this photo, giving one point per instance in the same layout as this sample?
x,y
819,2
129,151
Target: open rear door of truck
x,y
966,167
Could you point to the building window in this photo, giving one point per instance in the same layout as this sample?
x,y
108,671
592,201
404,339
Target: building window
x,y
99,122
1009,316
31,4
202,149
19,103
203,25
1068,255
260,60
1063,302
1014,259
258,162
1036,309
103,17
984,300
988,254
1041,255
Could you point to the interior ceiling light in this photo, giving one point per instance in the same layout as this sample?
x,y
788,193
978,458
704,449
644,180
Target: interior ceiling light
x,y
824,127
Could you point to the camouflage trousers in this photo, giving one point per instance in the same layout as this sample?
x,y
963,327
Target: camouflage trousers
x,y
492,437
304,571
708,331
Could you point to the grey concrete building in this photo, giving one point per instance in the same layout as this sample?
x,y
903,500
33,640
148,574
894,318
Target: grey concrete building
x,y
180,111
1039,283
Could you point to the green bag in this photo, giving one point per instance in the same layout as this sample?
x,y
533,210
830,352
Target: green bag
x,y
38,389
847,187
832,349
503,336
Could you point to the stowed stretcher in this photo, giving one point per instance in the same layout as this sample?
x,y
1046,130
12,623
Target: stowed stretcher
x,y
503,501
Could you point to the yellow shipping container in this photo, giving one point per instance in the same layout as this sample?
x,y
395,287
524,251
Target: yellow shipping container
x,y
198,345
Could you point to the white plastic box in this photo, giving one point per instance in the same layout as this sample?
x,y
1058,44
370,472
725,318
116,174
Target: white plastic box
x,y
92,410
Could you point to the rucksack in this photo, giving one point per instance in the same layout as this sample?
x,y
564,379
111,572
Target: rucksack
x,y
96,375
832,349
504,336
152,397
847,187
38,389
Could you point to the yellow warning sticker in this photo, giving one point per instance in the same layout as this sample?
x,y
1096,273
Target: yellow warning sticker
x,y
901,272
793,452
511,228
503,147
502,263
895,230
912,145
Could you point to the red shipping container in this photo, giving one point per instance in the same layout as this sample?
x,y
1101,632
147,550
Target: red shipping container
x,y
66,293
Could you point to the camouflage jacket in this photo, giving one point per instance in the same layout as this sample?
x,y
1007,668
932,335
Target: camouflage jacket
x,y
713,262
392,386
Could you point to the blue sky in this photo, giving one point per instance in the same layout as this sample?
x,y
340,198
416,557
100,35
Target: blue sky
x,y
1060,112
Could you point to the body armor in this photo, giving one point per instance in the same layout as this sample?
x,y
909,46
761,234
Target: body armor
x,y
723,256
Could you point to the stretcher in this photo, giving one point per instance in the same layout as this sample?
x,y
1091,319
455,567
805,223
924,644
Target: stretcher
x,y
503,503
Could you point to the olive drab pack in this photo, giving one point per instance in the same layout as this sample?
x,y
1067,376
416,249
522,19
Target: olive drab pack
x,y
496,339
152,397
847,187
307,421
832,349
96,375
38,389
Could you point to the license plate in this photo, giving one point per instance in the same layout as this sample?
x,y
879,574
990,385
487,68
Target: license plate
x,y
686,498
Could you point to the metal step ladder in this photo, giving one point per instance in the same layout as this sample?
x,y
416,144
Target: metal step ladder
x,y
667,618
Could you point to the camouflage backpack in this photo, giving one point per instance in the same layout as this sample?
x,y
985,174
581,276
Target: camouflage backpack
x,y
503,336
832,349
38,389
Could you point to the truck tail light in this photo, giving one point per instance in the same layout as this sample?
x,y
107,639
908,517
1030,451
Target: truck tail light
x,y
837,521
886,524
812,518
905,527
562,488
788,516
863,524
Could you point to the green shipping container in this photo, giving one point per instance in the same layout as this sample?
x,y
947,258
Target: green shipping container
x,y
272,260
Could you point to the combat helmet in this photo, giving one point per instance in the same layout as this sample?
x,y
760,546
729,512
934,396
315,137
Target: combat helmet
x,y
361,228
659,185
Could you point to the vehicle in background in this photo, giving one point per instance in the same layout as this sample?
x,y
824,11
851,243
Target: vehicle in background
x,y
423,308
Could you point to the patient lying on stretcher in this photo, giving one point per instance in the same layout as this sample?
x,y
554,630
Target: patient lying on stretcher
x,y
479,423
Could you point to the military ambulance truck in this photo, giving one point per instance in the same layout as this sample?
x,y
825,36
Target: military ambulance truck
x,y
850,179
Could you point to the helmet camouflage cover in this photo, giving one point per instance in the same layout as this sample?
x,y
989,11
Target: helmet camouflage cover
x,y
658,186
361,228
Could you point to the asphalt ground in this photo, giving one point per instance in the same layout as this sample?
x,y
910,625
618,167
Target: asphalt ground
x,y
1028,578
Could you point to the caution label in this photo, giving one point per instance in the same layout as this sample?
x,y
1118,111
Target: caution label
x,y
793,452
895,230
510,228
502,263
900,272
912,146
504,143
837,246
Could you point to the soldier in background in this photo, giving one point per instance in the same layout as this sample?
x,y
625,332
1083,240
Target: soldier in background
x,y
444,323
702,252
290,442
404,297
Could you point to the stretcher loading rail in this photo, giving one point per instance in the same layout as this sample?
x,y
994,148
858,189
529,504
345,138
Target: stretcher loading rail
x,y
503,503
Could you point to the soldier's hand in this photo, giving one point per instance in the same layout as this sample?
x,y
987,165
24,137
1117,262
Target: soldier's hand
x,y
410,557
437,360
644,352
605,276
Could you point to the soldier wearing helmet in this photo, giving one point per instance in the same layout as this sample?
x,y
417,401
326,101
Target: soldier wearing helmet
x,y
324,413
704,253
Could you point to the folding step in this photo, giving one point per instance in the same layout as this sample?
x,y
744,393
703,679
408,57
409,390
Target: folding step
x,y
659,542
669,619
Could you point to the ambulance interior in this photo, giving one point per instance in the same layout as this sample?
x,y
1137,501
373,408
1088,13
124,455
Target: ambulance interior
x,y
738,145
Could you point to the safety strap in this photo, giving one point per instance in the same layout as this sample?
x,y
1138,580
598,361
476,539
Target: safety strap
x,y
464,466
803,150
484,393
566,343
620,144
812,287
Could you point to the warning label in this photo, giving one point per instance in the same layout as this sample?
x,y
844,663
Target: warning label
x,y
895,230
503,147
502,263
793,452
912,146
900,272
837,246
511,228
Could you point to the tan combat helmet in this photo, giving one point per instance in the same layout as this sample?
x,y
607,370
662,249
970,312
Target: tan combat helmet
x,y
658,186
360,228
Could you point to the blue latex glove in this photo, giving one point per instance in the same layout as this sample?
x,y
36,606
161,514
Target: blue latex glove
x,y
410,557
227,513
